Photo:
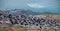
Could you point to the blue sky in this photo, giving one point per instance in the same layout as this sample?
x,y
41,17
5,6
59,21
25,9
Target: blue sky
x,y
34,5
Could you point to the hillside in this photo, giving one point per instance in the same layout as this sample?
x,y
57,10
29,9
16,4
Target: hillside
x,y
21,21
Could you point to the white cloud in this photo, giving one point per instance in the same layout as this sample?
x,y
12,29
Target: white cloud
x,y
35,5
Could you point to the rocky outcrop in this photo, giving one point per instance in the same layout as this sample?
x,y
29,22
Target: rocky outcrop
x,y
33,21
30,21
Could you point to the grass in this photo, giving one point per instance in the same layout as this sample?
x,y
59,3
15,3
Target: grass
x,y
2,29
21,28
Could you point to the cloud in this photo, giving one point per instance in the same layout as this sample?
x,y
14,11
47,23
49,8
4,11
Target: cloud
x,y
35,5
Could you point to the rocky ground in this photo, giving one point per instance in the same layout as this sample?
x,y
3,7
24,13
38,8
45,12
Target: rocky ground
x,y
36,21
24,22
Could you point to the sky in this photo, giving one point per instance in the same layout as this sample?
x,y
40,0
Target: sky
x,y
33,5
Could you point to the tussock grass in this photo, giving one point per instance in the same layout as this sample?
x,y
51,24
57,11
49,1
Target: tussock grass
x,y
21,28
